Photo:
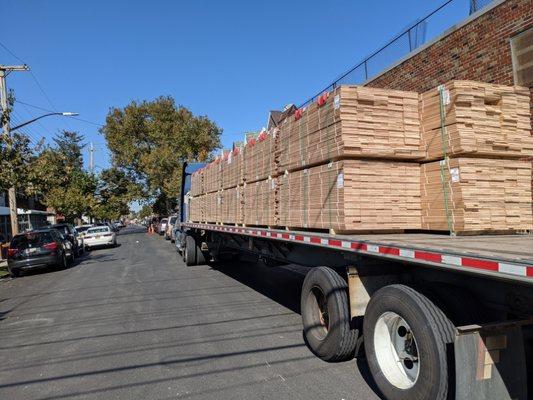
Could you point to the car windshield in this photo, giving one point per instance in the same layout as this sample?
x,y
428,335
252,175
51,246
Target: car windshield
x,y
82,228
100,229
31,239
164,221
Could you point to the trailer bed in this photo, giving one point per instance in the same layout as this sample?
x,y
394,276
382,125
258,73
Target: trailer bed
x,y
508,257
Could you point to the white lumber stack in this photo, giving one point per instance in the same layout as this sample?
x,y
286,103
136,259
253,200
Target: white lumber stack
x,y
352,195
232,205
260,157
482,120
260,202
354,122
483,195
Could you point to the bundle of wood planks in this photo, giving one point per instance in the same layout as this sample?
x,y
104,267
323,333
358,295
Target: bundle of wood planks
x,y
260,156
232,205
353,121
366,159
233,168
481,120
476,195
260,202
352,195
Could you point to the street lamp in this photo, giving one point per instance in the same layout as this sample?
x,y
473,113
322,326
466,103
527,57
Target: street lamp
x,y
65,114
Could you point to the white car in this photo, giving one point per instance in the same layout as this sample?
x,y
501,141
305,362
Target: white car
x,y
100,236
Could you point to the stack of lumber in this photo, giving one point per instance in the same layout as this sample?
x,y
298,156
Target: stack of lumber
x,y
260,202
482,195
196,208
233,169
481,119
212,210
353,121
260,156
197,183
232,205
212,181
366,159
352,195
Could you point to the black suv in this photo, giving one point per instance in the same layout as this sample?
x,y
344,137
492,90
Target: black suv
x,y
39,248
69,232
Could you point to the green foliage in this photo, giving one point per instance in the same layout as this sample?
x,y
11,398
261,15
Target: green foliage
x,y
145,211
115,191
56,175
15,154
150,140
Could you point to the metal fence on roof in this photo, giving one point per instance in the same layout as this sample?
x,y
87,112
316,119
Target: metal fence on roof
x,y
432,25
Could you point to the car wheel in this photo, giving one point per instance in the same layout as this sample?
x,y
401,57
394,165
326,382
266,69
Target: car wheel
x,y
15,273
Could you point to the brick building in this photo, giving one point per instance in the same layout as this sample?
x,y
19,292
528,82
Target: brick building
x,y
494,45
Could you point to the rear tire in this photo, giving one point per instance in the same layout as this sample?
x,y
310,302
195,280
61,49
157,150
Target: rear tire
x,y
15,273
326,315
200,256
407,341
190,251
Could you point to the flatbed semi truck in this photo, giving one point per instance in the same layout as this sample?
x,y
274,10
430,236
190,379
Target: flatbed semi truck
x,y
439,317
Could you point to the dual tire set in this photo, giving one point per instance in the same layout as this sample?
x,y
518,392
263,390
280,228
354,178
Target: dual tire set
x,y
406,335
192,253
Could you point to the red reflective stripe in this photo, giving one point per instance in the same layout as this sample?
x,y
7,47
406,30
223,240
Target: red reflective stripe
x,y
285,235
358,246
263,233
424,255
333,242
529,271
315,239
481,264
389,250
300,238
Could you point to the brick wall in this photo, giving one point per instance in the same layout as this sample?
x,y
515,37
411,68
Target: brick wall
x,y
479,50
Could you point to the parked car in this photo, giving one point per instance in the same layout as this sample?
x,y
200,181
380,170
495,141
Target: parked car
x,y
39,248
162,226
170,227
70,233
83,228
99,236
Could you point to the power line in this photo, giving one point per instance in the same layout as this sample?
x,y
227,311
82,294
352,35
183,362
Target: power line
x,y
10,52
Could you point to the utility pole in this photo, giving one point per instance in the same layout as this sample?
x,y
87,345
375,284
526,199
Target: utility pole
x,y
91,157
12,194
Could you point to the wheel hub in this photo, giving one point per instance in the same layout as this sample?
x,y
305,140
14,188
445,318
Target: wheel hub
x,y
396,350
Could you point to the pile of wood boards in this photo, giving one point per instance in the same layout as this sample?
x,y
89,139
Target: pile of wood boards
x,y
481,119
232,205
352,195
260,203
366,159
260,157
482,195
353,121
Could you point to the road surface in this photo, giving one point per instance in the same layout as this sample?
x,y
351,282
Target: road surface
x,y
134,322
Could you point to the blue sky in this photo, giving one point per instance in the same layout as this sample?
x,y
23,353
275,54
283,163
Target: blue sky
x,y
230,60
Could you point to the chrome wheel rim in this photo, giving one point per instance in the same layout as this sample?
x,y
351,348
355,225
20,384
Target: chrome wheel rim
x,y
396,350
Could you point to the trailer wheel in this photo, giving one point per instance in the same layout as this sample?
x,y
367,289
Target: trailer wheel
x,y
406,342
326,315
200,256
189,253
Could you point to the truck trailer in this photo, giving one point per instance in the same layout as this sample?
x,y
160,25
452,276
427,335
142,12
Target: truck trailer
x,y
438,316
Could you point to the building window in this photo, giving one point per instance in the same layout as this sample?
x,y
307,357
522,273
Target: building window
x,y
522,50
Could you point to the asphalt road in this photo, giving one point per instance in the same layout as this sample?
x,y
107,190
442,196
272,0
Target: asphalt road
x,y
134,322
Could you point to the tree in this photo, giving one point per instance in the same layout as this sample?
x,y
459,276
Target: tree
x,y
145,211
56,174
15,153
151,139
114,193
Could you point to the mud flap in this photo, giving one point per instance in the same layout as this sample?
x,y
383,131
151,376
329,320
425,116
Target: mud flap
x,y
490,362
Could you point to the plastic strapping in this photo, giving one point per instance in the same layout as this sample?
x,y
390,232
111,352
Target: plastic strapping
x,y
446,162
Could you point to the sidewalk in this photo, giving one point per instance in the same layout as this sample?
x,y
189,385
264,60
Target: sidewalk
x,y
3,268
